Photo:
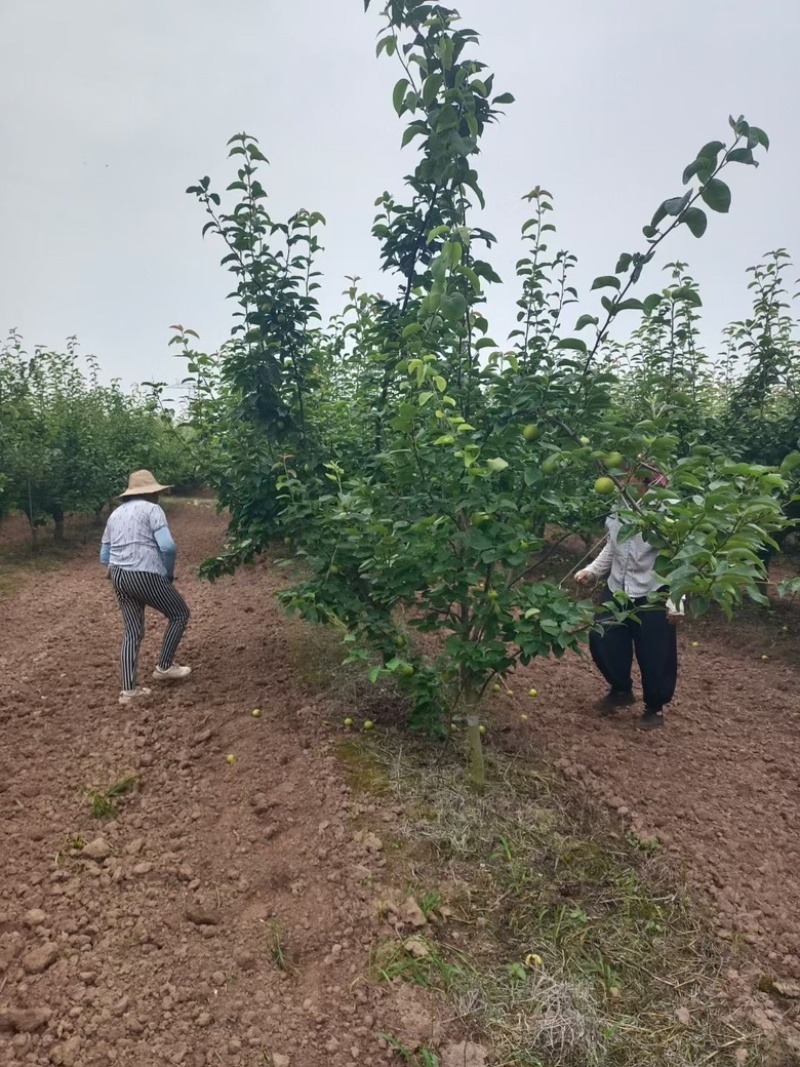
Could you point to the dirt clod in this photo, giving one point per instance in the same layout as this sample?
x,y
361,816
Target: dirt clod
x,y
39,959
98,850
24,1020
200,916
464,1054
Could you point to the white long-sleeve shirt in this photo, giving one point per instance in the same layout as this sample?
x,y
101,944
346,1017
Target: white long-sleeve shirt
x,y
629,566
137,538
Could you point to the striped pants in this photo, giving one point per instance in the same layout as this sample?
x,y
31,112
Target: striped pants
x,y
135,591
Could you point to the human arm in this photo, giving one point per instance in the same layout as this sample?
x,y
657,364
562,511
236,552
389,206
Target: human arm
x,y
105,548
599,568
166,546
163,539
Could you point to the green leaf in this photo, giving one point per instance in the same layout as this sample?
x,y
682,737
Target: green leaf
x,y
414,130
606,281
651,302
572,342
739,126
454,306
470,275
497,465
759,136
695,167
711,150
623,263
412,328
447,439
660,215
586,320
430,90
697,220
504,98
675,205
717,196
688,295
399,95
630,305
742,155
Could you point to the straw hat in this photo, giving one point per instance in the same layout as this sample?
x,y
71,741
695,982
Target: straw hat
x,y
142,483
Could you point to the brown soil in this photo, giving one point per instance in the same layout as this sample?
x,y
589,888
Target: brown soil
x,y
718,785
168,948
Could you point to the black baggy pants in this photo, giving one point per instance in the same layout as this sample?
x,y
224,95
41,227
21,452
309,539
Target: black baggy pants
x,y
654,640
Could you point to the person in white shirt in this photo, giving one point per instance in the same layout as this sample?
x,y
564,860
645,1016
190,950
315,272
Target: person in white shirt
x,y
139,552
630,567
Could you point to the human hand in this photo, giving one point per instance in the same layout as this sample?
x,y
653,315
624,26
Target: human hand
x,y
676,612
583,577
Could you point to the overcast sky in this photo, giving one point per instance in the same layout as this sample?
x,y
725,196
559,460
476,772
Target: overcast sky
x,y
108,110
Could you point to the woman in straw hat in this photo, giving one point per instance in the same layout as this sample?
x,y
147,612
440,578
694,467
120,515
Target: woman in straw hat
x,y
139,552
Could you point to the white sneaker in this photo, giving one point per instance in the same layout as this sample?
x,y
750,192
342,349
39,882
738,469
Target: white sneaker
x,y
172,674
128,696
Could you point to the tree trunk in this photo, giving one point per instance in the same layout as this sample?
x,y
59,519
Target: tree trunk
x,y
477,768
57,515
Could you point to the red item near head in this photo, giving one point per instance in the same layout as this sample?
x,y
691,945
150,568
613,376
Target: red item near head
x,y
659,480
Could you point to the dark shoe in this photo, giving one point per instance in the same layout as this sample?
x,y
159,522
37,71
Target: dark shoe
x,y
651,720
613,701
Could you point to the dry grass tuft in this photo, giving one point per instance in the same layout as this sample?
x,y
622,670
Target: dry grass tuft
x,y
571,944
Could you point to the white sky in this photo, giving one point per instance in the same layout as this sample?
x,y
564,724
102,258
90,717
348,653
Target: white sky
x,y
108,110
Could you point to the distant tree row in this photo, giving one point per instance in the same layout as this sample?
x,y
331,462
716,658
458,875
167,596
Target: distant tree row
x,y
68,442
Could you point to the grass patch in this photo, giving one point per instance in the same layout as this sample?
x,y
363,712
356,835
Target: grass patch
x,y
422,961
364,770
276,948
423,1058
105,804
570,942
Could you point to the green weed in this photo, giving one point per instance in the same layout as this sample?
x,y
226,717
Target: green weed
x,y
105,804
423,1058
419,960
276,947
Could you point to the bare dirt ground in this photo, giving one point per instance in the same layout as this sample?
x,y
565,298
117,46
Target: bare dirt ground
x,y
168,946
226,914
719,785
